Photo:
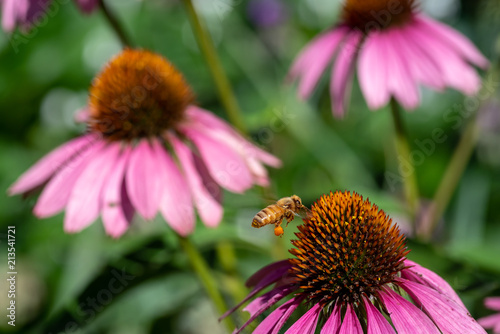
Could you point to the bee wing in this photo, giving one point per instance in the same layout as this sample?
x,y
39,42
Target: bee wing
x,y
305,213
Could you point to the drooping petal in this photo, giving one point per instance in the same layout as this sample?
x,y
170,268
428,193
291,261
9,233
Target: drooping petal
x,y
176,205
142,180
51,163
85,200
313,60
492,321
377,323
455,71
452,37
56,193
209,209
422,275
456,319
307,323
262,303
493,303
275,321
351,324
400,79
10,14
373,71
113,211
405,316
333,323
275,269
225,165
424,68
262,279
343,71
222,131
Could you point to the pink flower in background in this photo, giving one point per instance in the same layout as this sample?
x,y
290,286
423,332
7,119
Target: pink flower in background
x,y
351,273
395,49
149,150
492,321
25,13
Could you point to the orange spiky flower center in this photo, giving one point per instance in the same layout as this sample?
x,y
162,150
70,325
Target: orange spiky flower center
x,y
368,15
349,248
138,94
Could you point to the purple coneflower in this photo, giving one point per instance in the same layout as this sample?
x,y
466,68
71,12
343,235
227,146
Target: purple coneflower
x,y
350,270
492,321
24,13
149,149
395,48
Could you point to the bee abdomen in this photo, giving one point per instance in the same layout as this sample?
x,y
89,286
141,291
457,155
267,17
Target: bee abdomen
x,y
266,216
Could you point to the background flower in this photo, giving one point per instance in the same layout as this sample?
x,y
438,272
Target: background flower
x,y
148,150
25,13
492,321
394,48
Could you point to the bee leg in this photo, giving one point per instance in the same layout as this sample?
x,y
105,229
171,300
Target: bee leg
x,y
289,217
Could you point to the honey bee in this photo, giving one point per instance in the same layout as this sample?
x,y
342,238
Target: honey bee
x,y
285,208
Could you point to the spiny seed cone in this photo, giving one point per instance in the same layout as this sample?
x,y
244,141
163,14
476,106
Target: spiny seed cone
x,y
368,15
348,248
138,94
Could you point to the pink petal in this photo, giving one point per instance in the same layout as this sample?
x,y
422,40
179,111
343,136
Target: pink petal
x,y
85,200
176,205
405,316
313,60
423,68
262,303
279,268
456,319
49,164
142,180
372,74
113,214
343,71
455,39
222,131
351,324
262,279
422,275
455,71
225,165
490,321
492,303
400,80
307,323
333,323
377,323
209,209
57,192
9,14
275,321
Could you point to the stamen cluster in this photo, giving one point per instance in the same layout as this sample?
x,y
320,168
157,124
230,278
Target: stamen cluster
x,y
139,94
348,248
375,14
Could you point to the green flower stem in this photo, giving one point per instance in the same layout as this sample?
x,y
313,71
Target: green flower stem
x,y
228,260
206,277
403,150
115,24
451,178
226,93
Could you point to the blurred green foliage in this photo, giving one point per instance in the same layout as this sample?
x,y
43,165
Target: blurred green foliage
x,y
68,283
